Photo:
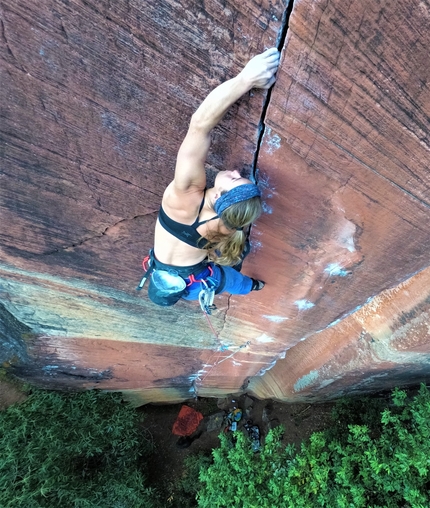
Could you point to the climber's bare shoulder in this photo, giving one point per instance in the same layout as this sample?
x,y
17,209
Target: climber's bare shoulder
x,y
182,205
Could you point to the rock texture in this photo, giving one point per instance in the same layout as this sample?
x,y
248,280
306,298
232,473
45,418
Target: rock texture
x,y
96,97
377,346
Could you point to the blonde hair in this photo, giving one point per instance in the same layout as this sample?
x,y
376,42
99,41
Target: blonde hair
x,y
225,249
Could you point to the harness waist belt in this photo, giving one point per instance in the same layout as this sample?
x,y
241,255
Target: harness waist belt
x,y
182,271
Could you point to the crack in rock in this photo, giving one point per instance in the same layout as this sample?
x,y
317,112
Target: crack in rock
x,y
104,233
9,49
225,317
262,125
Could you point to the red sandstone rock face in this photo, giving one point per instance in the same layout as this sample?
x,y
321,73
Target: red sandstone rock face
x,y
97,99
348,144
387,339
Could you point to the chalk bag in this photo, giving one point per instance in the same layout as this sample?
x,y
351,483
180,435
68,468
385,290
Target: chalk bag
x,y
166,288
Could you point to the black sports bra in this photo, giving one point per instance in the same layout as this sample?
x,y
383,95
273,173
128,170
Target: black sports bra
x,y
184,232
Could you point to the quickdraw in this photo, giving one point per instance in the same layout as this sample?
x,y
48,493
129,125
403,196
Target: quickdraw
x,y
206,298
207,293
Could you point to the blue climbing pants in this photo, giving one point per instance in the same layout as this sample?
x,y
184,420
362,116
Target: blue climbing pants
x,y
235,283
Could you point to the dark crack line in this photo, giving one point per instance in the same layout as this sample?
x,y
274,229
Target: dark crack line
x,y
9,49
261,129
81,242
64,31
284,24
225,317
262,125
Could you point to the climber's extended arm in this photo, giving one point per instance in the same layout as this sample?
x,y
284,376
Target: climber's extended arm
x,y
259,72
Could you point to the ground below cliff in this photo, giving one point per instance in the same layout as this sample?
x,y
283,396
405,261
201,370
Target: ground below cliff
x,y
167,461
166,464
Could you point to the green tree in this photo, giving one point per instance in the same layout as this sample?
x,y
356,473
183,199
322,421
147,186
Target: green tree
x,y
81,450
383,464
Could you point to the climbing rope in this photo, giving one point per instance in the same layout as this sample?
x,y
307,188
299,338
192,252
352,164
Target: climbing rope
x,y
217,362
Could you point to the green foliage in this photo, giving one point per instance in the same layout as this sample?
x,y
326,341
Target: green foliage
x,y
186,489
387,466
79,450
357,411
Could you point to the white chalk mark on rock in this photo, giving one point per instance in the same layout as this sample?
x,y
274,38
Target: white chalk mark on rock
x,y
276,319
335,269
304,304
264,339
273,141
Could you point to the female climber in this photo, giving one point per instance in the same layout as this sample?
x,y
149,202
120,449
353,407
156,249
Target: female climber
x,y
199,233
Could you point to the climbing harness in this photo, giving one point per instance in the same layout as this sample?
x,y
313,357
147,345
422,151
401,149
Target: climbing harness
x,y
168,284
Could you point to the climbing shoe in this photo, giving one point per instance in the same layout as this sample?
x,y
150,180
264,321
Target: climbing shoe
x,y
257,285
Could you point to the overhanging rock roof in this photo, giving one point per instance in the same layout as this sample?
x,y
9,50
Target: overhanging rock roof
x,y
96,102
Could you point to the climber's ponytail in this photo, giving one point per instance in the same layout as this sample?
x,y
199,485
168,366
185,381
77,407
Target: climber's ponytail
x,y
226,249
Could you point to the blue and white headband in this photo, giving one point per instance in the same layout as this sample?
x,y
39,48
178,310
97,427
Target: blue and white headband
x,y
236,195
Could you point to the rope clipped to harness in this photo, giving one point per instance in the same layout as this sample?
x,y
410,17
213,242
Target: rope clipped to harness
x,y
206,294
206,298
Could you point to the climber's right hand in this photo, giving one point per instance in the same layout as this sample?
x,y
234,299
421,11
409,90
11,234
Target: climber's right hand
x,y
260,71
